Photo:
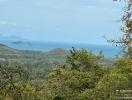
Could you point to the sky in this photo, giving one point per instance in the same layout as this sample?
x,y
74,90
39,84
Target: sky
x,y
71,21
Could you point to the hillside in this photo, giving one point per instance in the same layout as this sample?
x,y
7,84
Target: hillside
x,y
32,60
35,61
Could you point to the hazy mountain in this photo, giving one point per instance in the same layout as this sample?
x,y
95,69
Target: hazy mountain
x,y
13,39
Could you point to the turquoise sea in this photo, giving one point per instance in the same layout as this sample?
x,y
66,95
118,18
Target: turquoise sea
x,y
108,50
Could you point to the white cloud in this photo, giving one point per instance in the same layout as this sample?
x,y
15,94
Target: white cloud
x,y
8,23
3,22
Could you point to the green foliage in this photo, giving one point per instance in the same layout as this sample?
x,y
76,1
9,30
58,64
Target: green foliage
x,y
69,83
118,78
76,82
83,78
82,60
37,63
10,78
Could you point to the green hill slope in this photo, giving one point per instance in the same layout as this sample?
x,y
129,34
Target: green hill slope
x,y
37,62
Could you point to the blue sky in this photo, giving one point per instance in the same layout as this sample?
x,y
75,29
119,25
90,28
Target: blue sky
x,y
73,21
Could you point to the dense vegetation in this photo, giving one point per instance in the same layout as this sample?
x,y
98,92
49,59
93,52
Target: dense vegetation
x,y
36,62
82,77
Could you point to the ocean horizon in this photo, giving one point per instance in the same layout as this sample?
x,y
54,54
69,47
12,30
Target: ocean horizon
x,y
108,50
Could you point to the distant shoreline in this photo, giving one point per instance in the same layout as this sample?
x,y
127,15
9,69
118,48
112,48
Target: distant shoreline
x,y
109,51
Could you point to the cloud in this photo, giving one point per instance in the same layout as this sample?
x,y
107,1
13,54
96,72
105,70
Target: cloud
x,y
7,23
3,22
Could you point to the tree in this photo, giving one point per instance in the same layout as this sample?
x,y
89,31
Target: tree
x,y
83,60
10,80
118,78
76,80
126,40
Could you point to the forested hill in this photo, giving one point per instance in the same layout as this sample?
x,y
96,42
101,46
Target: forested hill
x,y
36,61
32,60
26,54
6,49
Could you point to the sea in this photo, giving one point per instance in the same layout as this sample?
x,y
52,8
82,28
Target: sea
x,y
107,49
